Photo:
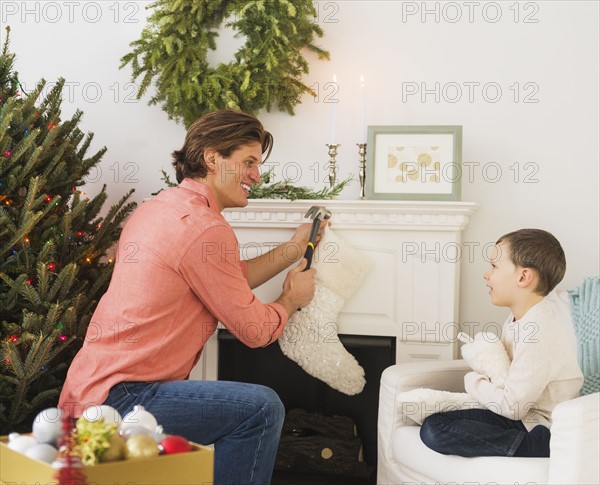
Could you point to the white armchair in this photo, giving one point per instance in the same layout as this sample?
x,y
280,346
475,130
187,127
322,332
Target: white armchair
x,y
404,459
575,433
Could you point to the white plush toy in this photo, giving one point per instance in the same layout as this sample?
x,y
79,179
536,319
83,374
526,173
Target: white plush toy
x,y
310,337
485,354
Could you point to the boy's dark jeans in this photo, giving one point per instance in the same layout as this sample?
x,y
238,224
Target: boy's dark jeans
x,y
481,432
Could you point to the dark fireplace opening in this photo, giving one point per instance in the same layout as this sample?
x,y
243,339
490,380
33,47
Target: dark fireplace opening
x,y
297,389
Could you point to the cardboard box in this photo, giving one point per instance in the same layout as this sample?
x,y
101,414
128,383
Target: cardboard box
x,y
193,468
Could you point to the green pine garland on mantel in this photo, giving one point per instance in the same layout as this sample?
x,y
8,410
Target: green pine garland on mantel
x,y
266,70
283,189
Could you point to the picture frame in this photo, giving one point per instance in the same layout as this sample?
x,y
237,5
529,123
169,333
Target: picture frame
x,y
414,163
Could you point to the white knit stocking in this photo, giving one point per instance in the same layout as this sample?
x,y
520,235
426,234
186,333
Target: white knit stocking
x,y
310,337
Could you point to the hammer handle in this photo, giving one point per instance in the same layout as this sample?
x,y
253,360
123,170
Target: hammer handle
x,y
310,248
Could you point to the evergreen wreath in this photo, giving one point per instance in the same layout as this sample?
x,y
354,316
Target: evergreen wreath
x,y
266,70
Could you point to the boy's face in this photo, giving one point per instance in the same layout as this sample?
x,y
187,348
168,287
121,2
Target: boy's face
x,y
502,278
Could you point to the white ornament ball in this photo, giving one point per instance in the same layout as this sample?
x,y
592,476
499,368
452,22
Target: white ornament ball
x,y
159,434
42,452
110,414
139,417
20,443
47,426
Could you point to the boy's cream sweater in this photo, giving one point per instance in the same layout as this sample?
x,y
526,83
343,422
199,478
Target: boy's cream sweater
x,y
543,372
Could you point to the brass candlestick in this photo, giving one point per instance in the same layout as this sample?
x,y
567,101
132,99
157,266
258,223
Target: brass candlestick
x,y
332,163
362,163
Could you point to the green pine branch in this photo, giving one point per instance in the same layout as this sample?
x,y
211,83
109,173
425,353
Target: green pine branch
x,y
284,189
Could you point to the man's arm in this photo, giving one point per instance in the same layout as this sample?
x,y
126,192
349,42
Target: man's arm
x,y
264,267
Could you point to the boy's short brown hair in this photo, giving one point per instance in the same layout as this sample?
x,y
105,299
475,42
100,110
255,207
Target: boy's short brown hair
x,y
223,130
539,250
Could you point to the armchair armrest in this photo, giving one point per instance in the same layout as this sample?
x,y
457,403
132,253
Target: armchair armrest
x,y
443,375
575,441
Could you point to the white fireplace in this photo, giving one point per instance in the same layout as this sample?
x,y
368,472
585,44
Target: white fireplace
x,y
412,290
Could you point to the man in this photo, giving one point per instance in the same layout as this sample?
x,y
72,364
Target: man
x,y
177,274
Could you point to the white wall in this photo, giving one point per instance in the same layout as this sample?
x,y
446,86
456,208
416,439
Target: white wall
x,y
552,44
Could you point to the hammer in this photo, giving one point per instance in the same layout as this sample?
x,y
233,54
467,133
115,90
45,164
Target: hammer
x,y
317,213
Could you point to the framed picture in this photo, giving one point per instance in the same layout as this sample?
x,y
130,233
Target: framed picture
x,y
414,162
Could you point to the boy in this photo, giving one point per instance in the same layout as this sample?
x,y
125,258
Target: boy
x,y
525,267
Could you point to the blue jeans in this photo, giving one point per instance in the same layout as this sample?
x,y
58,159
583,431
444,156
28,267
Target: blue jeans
x,y
243,421
481,432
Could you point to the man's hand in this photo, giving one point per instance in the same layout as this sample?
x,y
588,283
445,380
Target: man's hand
x,y
302,234
298,288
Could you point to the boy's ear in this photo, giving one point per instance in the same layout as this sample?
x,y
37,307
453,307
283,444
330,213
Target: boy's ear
x,y
527,278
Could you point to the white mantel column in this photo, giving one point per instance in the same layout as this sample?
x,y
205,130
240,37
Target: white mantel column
x,y
412,291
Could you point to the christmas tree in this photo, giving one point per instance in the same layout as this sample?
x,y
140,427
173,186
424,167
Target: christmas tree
x,y
53,245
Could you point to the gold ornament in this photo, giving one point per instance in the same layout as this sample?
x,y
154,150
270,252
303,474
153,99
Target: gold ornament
x,y
141,446
116,451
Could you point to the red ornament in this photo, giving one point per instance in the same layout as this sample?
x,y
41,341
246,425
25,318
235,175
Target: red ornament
x,y
62,338
7,154
175,444
51,266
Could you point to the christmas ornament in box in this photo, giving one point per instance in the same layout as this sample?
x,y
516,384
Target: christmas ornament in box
x,y
114,450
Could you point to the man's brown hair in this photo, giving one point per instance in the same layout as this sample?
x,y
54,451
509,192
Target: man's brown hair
x,y
539,250
223,130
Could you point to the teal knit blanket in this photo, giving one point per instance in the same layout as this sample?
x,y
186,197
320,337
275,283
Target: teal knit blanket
x,y
585,310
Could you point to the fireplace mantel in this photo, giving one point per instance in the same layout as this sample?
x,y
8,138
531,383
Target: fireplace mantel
x,y
412,290
352,214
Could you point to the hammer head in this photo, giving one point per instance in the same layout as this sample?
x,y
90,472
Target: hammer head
x,y
318,212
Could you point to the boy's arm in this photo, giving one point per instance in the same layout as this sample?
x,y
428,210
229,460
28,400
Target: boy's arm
x,y
515,399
